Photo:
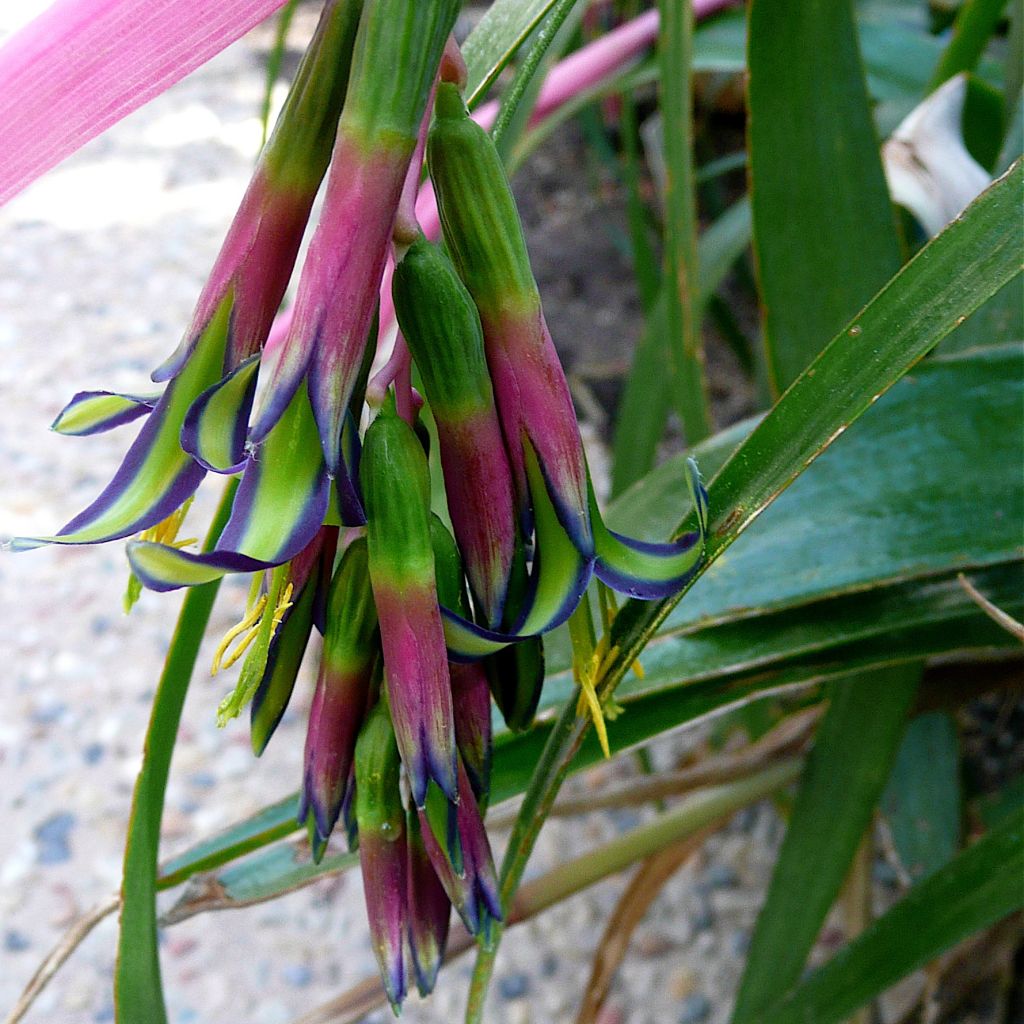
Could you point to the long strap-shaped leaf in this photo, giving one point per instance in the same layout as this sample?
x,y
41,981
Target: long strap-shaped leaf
x,y
137,990
824,232
823,227
950,278
843,779
976,889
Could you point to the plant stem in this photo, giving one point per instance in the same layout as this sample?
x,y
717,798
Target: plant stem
x,y
137,985
686,355
699,811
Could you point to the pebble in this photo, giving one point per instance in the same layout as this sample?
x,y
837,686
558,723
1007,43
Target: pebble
x,y
720,876
52,838
681,983
297,975
739,943
93,753
696,1008
48,714
514,986
702,916
16,942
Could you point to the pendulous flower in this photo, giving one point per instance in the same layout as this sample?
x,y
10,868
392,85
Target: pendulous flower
x,y
396,489
342,690
556,499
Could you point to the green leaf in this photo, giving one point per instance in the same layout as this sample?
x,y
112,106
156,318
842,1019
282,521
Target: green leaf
x,y
137,984
887,502
922,800
947,280
975,23
495,40
263,876
824,231
977,889
843,778
518,100
266,826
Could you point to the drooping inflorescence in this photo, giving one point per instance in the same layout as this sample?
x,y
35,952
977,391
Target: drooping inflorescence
x,y
338,522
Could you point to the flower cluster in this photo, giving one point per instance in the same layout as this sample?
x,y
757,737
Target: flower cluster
x,y
337,524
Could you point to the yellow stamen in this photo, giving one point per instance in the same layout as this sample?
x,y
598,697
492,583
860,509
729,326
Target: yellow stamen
x,y
164,532
248,625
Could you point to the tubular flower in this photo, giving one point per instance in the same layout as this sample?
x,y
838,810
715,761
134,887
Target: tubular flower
x,y
198,423
309,575
471,698
396,488
471,883
339,285
555,496
442,329
430,910
342,691
382,846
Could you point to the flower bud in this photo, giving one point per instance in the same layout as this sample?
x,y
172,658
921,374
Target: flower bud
x,y
484,235
430,910
471,698
342,689
382,846
397,51
442,329
396,490
473,890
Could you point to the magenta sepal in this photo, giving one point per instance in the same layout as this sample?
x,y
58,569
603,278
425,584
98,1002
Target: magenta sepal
x,y
342,690
474,893
418,685
534,402
471,700
430,910
252,270
383,860
337,293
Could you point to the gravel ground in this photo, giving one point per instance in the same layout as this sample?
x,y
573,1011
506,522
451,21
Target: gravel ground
x,y
100,264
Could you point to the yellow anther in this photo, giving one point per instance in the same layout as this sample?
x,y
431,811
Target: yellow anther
x,y
166,531
163,532
282,606
248,625
588,699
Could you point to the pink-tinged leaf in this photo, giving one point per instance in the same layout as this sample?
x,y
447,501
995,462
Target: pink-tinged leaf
x,y
82,65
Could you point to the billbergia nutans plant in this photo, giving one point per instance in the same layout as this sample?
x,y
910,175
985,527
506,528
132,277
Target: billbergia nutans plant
x,y
464,600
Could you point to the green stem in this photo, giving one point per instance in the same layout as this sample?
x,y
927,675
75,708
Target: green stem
x,y
692,814
689,816
138,992
545,782
675,50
